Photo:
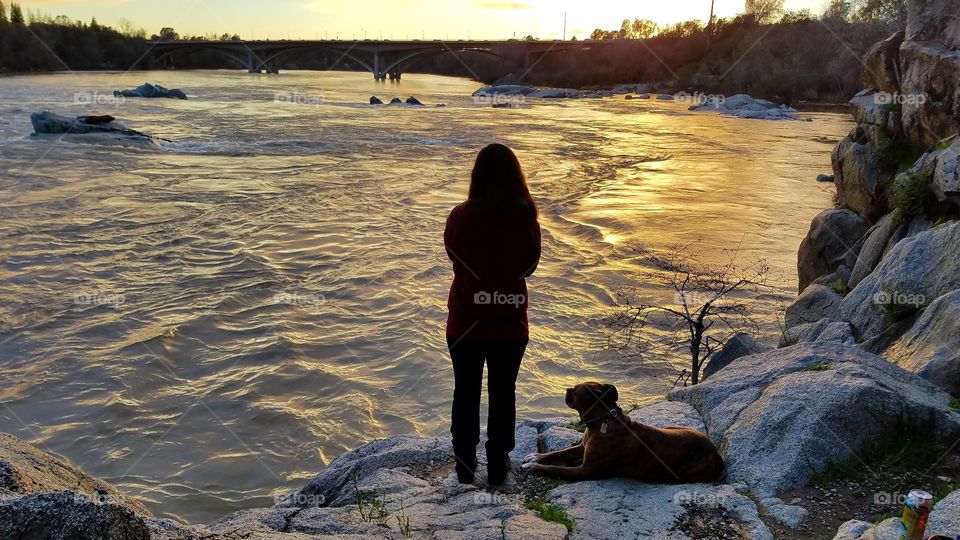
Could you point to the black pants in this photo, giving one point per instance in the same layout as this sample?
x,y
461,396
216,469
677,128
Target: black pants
x,y
503,365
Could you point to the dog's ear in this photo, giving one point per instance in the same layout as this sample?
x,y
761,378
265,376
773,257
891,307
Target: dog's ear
x,y
610,393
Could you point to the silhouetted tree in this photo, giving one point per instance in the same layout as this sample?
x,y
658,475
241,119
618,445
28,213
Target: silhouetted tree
x,y
3,13
892,11
763,11
703,297
644,29
16,14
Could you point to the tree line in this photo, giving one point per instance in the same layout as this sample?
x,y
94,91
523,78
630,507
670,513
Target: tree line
x,y
764,51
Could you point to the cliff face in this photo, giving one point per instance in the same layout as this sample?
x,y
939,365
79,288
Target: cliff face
x,y
890,248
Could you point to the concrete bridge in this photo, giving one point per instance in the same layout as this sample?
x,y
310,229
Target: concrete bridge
x,y
385,59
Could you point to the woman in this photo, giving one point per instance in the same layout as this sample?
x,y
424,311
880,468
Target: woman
x,y
493,240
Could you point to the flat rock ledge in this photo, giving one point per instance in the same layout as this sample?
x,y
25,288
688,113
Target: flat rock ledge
x,y
757,409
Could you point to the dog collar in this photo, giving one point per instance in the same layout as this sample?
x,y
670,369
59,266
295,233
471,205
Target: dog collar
x,y
609,415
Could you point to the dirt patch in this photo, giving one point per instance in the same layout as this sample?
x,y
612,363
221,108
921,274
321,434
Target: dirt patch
x,y
705,522
872,497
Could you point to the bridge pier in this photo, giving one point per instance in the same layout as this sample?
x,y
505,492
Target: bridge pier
x,y
255,65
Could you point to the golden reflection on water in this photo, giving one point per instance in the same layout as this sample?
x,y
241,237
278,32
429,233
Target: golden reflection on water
x,y
203,394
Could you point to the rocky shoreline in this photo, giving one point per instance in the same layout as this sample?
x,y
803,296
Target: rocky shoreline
x,y
758,410
870,353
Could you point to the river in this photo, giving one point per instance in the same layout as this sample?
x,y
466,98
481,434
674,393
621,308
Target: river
x,y
208,323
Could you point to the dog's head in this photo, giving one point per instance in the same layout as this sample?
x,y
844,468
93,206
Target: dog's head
x,y
592,395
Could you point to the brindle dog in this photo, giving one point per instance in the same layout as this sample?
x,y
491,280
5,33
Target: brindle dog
x,y
615,445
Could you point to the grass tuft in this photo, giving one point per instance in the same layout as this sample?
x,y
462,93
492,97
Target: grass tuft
x,y
551,513
894,155
902,448
955,404
818,367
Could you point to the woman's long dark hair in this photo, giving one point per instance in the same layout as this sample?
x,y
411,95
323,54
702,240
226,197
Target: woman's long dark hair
x,y
498,187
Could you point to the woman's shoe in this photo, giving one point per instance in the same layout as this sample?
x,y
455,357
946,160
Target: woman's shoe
x,y
465,470
497,470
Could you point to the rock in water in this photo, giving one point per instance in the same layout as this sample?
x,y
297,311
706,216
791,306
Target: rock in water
x,y
148,90
783,415
48,123
825,178
396,101
374,100
413,101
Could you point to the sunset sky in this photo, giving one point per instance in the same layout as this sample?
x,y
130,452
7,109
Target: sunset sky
x,y
413,19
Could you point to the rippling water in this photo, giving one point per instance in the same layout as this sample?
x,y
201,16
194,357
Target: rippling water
x,y
207,324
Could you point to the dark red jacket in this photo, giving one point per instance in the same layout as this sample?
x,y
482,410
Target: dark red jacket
x,y
491,258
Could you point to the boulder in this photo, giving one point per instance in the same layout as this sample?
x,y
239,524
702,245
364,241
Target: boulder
x,y
414,101
882,65
68,515
557,437
931,347
26,470
553,93
374,100
816,302
946,173
148,90
663,414
833,241
743,106
944,519
787,514
913,273
387,453
739,345
825,178
945,516
774,437
852,530
861,187
873,248
48,123
824,330
931,91
505,90
510,79
933,20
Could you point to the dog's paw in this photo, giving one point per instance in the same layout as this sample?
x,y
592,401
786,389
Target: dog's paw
x,y
531,458
529,465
